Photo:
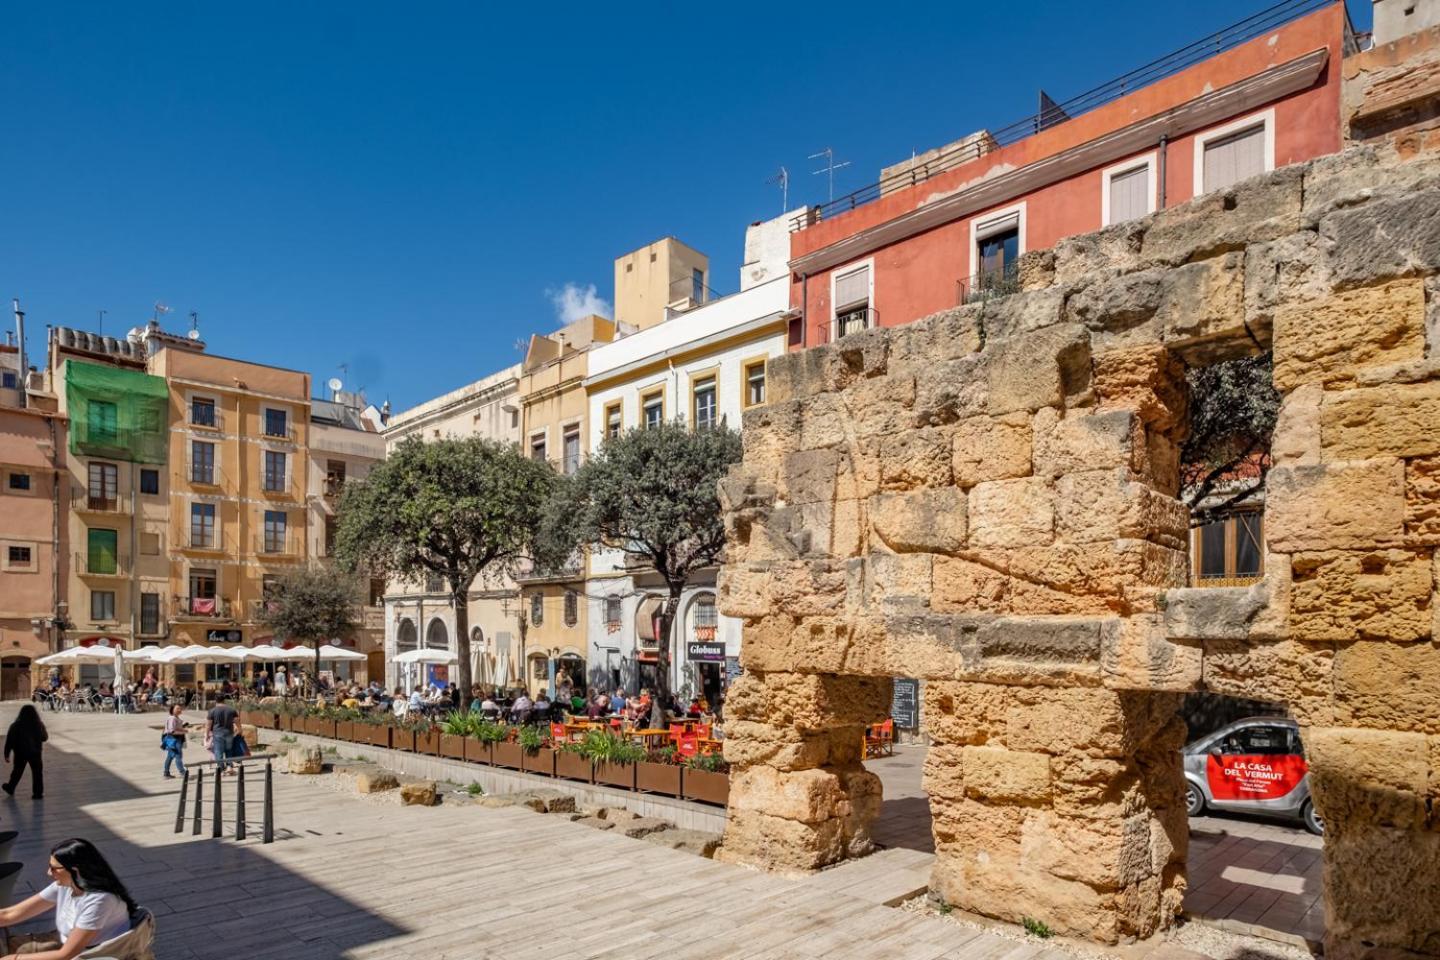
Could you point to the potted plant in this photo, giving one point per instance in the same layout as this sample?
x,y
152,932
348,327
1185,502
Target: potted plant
x,y
706,778
403,734
572,764
374,731
658,772
507,752
453,731
483,736
345,725
537,755
614,758
320,723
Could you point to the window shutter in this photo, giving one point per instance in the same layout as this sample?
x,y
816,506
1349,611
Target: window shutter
x,y
1234,158
853,288
1129,195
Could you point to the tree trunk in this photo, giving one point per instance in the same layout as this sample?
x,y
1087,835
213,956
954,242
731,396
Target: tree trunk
x,y
318,642
662,642
460,598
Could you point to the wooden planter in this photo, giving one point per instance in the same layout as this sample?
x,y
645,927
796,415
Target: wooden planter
x,y
377,734
452,745
705,787
264,719
541,761
662,778
402,738
345,730
477,751
507,753
287,722
321,727
620,775
572,766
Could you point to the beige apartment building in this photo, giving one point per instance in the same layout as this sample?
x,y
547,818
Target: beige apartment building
x,y
666,273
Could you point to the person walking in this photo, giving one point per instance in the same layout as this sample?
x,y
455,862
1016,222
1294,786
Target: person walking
x,y
220,725
91,905
24,741
173,739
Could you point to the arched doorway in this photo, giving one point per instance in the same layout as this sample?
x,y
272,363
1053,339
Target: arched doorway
x,y
14,678
405,636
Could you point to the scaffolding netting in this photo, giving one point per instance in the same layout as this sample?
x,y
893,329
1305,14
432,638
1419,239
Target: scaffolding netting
x,y
117,414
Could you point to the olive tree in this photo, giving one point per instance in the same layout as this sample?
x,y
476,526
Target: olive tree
x,y
311,604
1233,409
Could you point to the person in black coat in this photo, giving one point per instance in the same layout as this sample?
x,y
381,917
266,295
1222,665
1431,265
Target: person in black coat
x,y
24,741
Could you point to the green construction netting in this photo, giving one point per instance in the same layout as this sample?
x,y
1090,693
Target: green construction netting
x,y
116,414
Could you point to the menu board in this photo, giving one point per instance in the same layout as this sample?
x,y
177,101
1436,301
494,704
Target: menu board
x,y
905,704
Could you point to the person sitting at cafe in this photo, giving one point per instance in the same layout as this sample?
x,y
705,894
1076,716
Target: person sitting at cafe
x,y
400,705
598,706
487,705
617,702
521,708
542,705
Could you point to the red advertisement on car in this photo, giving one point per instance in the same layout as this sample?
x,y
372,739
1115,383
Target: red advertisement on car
x,y
1254,776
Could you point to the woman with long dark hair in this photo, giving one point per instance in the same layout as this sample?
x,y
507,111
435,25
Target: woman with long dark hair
x,y
91,905
24,741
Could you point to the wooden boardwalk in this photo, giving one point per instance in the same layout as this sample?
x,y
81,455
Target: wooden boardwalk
x,y
349,877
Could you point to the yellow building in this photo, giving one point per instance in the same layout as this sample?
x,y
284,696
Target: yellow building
x,y
554,421
656,280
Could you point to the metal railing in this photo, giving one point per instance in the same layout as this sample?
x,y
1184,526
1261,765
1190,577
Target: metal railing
x,y
286,432
217,803
333,487
271,486
202,608
214,420
193,540
988,285
117,565
82,499
281,546
200,475
1053,114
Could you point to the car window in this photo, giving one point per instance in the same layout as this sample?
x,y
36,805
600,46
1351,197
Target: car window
x,y
1257,740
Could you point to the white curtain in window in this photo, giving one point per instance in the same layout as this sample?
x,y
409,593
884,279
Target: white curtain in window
x,y
852,288
1130,195
1234,158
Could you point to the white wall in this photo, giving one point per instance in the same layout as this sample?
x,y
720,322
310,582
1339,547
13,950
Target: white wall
x,y
767,249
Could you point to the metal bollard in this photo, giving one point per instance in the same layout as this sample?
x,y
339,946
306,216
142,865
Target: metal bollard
x,y
217,815
240,804
268,833
199,793
180,813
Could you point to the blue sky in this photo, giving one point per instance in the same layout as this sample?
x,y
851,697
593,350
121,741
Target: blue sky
x,y
403,188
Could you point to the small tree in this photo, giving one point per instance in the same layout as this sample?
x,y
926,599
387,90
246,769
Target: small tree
x,y
654,495
1233,409
312,604
455,508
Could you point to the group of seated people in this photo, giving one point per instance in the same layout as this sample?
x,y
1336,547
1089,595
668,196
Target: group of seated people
x,y
129,697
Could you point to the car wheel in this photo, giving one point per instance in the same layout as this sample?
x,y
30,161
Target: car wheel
x,y
1313,822
1194,800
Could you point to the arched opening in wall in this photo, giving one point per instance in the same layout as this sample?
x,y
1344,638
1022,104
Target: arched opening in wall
x,y
406,637
436,636
895,751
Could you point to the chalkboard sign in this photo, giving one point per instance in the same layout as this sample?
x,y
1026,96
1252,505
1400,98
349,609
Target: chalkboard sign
x,y
732,670
905,704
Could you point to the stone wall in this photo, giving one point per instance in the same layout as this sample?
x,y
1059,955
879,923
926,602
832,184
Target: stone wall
x,y
986,500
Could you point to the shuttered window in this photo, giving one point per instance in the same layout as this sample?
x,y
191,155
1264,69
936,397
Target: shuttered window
x,y
1130,195
1233,158
852,289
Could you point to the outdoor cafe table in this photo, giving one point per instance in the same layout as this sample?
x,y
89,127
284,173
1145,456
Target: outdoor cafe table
x,y
648,734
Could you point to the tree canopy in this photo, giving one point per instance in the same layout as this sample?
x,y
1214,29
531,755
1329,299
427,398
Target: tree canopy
x,y
311,604
1233,409
454,508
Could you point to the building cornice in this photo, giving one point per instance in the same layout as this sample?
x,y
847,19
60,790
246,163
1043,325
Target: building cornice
x,y
735,336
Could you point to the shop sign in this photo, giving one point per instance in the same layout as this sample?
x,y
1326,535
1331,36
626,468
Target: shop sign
x,y
223,636
1254,776
705,651
101,642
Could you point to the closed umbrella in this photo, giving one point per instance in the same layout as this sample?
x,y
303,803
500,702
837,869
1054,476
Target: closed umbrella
x,y
118,684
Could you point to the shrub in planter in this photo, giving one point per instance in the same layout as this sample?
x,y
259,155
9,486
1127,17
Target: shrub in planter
x,y
507,752
706,779
402,737
615,774
484,734
452,735
374,732
613,757
537,756
571,764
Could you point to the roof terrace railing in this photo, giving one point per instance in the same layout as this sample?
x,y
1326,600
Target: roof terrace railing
x,y
1053,113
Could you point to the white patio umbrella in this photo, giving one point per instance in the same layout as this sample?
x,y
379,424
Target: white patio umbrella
x,y
268,653
117,686
426,656
202,654
58,659
331,652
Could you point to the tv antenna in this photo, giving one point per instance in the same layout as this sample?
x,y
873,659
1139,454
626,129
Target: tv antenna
x,y
194,333
100,328
783,180
159,309
830,167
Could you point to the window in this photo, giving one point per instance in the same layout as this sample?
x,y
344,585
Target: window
x,y
377,592
19,481
102,551
652,409
202,584
1128,190
537,609
202,524
104,489
702,403
612,613
697,286
705,619
269,585
150,482
102,604
150,613
18,556
8,380
755,383
1262,740
998,253
275,471
102,422
1228,552
614,423
572,608
1234,152
434,583
571,448
334,477
202,462
851,291
276,423
202,412
332,526
274,538
537,447
997,239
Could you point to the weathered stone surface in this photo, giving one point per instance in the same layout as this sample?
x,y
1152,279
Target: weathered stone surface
x,y
1422,501
1107,505
1400,420
926,521
1385,238
1290,269
1149,380
1211,613
546,801
961,585
1012,513
899,580
1361,595
996,774
1142,655
1261,208
643,827
1296,440
691,841
1037,370
1371,776
950,390
808,702
918,458
1328,341
376,781
1285,671
307,760
991,448
1018,314
1116,247
421,793
1080,442
1355,505
1388,686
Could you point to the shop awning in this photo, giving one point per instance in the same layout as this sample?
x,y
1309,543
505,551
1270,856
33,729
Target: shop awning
x,y
645,618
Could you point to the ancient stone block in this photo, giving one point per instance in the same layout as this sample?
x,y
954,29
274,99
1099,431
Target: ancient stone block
x,y
1149,380
1296,440
917,458
421,793
991,448
306,760
899,580
810,644
1287,270
1101,855
926,521
1283,671
1116,247
1327,341
749,742
808,702
824,422
947,335
1361,595
962,585
950,390
375,781
810,476
1370,776
997,774
1037,370
1142,655
1352,505
1081,442
1012,513
779,844
1422,501
1255,210
1384,238
1018,314
1373,871
1401,420
1103,505
1388,686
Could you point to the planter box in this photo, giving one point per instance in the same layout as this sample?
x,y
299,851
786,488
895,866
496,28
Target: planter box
x,y
427,742
452,745
402,738
662,778
287,722
542,761
616,775
320,727
345,730
706,787
375,734
266,720
477,751
507,753
572,766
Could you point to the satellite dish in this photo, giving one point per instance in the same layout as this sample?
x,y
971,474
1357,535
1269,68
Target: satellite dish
x,y
193,334
334,384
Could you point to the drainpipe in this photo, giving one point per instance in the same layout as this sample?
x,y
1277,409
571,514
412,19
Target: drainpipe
x,y
1160,171
804,312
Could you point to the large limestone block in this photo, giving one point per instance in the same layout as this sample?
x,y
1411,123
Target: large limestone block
x,y
881,405
926,521
809,645
899,581
1012,513
1085,720
964,713
1384,238
1361,595
775,843
376,781
1328,340
947,335
1037,370
1287,270
808,702
1255,210
1117,247
1382,892
1141,656
824,422
1106,856
1388,686
1398,420
1296,440
748,743
916,458
1422,501
810,476
1083,441
1018,314
967,586
809,796
806,587
950,390
1104,505
992,448
1369,776
1000,775
1148,380
421,793
1296,674
306,760
1346,505
744,590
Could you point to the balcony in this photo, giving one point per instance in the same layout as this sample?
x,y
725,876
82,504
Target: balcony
x,y
83,501
254,609
199,540
200,476
278,488
202,608
332,488
201,419
989,285
99,565
282,546
278,432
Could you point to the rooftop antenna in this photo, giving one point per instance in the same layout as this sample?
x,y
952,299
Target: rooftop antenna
x,y
159,309
194,333
783,179
344,371
100,327
830,167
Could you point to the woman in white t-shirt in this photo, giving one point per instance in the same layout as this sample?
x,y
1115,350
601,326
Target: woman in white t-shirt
x,y
91,905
